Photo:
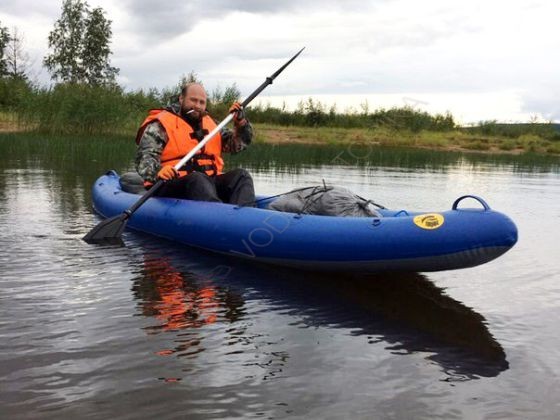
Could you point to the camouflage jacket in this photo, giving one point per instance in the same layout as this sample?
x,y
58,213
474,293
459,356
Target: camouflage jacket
x,y
154,139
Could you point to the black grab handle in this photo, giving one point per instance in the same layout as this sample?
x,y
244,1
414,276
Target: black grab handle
x,y
477,198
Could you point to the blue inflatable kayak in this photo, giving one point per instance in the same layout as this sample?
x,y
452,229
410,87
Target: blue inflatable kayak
x,y
400,240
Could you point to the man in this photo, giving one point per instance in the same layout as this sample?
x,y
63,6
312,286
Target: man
x,y
167,135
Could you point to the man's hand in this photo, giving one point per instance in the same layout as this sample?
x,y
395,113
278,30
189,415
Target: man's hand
x,y
167,172
238,115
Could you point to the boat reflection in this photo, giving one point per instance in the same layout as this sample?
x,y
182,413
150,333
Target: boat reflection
x,y
412,314
184,290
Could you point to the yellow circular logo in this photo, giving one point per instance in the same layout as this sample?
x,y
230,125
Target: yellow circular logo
x,y
429,221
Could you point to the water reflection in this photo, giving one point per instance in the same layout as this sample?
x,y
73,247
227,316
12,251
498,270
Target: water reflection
x,y
182,300
174,302
298,157
187,290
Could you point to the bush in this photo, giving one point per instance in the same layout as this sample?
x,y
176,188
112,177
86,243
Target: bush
x,y
13,92
478,144
508,145
311,113
513,131
80,108
554,148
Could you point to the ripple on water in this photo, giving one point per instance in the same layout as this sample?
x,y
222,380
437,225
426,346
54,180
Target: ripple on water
x,y
154,330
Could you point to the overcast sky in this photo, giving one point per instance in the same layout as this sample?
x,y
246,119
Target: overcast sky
x,y
479,59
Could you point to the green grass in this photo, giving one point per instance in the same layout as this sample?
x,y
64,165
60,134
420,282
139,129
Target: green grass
x,y
73,109
508,145
381,136
554,148
8,121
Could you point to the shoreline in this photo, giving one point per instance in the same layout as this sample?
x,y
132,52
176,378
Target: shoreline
x,y
457,140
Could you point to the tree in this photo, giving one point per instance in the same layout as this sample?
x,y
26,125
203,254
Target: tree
x,y
4,39
192,77
17,60
169,95
80,46
227,96
231,94
96,51
64,63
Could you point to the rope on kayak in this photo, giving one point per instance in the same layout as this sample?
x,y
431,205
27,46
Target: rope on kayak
x,y
253,203
309,198
368,201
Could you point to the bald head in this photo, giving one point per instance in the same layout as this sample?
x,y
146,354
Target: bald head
x,y
196,85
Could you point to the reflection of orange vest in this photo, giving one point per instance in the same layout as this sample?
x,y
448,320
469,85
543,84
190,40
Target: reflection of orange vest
x,y
182,139
179,305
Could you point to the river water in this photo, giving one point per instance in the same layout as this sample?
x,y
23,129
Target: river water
x,y
157,330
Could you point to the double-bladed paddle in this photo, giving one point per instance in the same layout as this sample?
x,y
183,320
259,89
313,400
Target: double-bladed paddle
x,y
110,230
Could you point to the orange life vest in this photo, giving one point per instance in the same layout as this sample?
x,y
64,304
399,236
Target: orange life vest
x,y
182,139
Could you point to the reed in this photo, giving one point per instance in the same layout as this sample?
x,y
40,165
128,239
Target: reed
x,y
79,109
83,109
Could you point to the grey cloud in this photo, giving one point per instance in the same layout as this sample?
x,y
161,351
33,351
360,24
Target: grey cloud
x,y
180,16
161,22
260,6
22,8
202,8
545,104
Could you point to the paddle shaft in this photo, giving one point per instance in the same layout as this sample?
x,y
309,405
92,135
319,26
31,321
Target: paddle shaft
x,y
179,165
205,140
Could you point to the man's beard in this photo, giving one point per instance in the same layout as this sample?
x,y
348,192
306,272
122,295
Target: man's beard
x,y
193,117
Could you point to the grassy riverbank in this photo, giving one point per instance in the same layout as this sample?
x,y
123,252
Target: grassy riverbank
x,y
86,111
459,139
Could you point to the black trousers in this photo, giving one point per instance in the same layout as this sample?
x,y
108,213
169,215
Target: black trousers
x,y
234,187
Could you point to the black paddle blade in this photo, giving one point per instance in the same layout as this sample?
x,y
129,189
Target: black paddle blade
x,y
269,80
281,69
108,231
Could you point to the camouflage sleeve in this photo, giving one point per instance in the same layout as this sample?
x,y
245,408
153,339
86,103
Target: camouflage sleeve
x,y
236,140
148,154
